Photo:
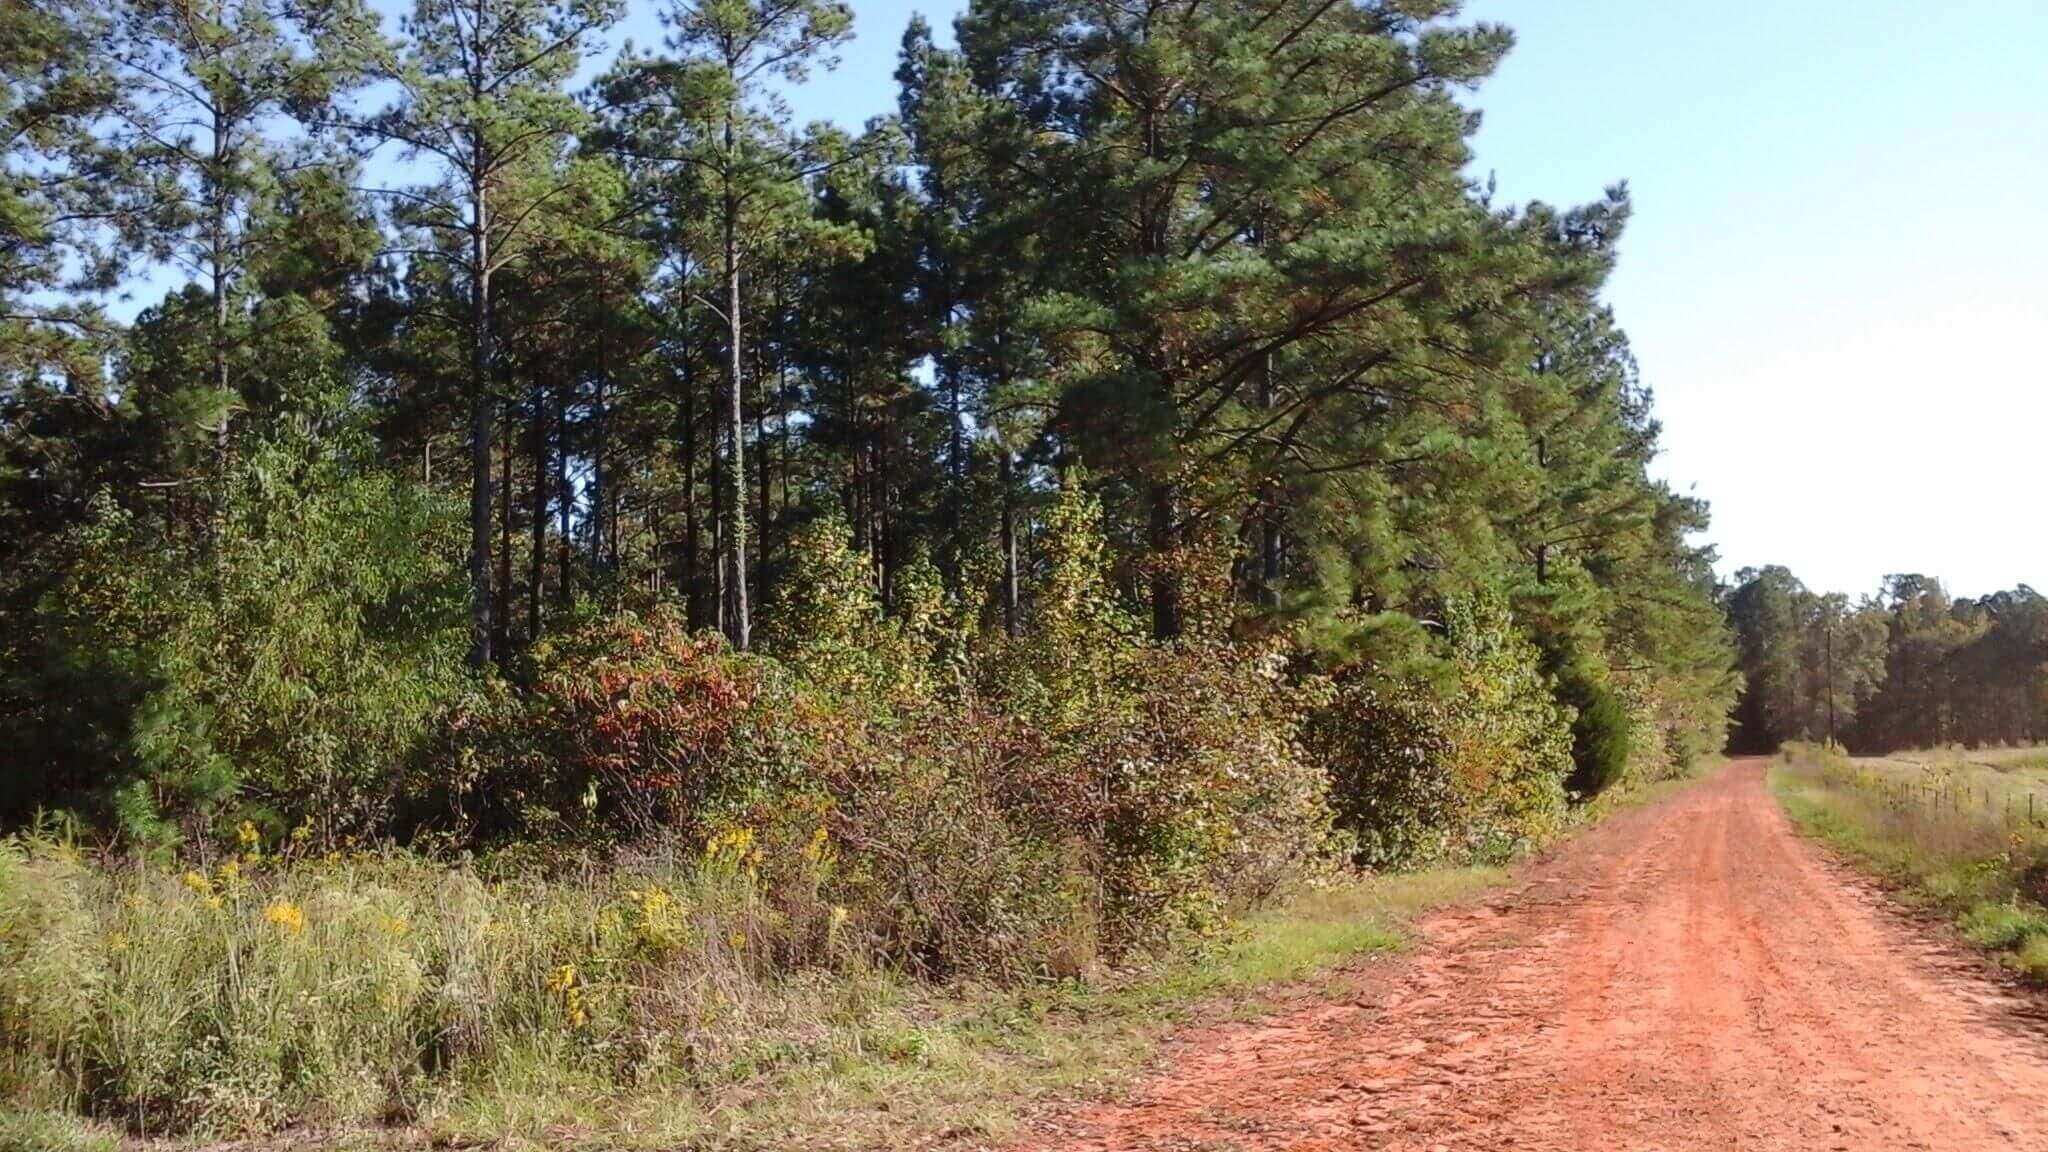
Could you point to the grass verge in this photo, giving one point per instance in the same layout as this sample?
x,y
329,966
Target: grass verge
x,y
1968,861
971,1063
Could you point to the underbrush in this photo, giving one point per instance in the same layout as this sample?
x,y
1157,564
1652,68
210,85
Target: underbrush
x,y
1970,859
650,1006
663,891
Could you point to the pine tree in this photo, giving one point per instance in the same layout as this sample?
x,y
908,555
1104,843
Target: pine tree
x,y
711,112
200,87
481,98
1243,180
55,87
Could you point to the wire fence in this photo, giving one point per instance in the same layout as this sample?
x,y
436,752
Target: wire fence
x,y
2014,808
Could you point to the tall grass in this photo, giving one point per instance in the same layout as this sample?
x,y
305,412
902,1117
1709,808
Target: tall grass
x,y
1942,830
252,995
655,1003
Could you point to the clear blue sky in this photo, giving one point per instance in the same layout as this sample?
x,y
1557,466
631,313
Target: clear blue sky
x,y
1837,277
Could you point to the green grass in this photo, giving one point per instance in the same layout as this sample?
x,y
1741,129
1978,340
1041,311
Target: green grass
x,y
1969,859
54,1132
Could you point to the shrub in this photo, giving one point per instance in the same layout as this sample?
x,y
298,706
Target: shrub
x,y
1474,771
1388,750
1206,798
1511,742
1603,733
631,724
951,857
1175,769
827,621
294,664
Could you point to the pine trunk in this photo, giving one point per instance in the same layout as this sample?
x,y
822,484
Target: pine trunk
x,y
735,527
480,413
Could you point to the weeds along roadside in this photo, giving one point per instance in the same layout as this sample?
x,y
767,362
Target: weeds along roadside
x,y
545,998
1966,835
422,1004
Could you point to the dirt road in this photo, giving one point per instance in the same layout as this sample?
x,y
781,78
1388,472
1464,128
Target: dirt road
x,y
1688,976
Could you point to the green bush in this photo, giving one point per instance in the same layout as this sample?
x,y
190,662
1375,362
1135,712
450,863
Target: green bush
x,y
1603,734
1388,753
287,666
1473,770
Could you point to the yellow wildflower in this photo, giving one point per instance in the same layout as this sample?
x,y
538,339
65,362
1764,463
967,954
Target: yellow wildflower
x,y
736,842
213,902
397,925
821,842
247,834
230,871
567,983
286,915
197,882
117,941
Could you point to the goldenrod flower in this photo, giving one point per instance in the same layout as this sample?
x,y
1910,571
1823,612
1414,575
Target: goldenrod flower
x,y
197,882
821,843
738,842
286,915
247,834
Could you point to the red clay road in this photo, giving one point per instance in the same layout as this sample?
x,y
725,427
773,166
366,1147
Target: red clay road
x,y
1688,976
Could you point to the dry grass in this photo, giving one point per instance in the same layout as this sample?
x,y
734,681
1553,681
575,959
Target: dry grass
x,y
384,999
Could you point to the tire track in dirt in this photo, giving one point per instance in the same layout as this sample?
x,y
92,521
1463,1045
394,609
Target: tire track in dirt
x,y
1688,976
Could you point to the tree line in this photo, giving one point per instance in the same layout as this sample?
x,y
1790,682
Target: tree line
x,y
1910,667
463,364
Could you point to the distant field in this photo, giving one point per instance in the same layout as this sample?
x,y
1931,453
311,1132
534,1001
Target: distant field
x,y
2008,785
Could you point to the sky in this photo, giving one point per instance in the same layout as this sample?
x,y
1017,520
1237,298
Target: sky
x,y
1837,267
